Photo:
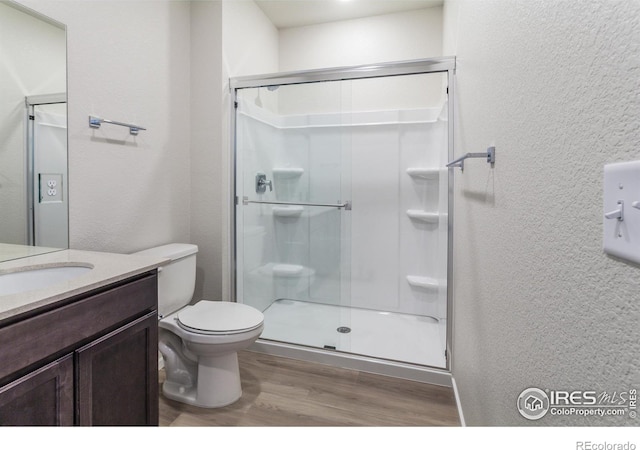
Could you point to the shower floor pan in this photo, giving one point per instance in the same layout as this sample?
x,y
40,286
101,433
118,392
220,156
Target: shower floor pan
x,y
398,337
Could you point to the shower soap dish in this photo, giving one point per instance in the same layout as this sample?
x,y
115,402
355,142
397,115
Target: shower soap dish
x,y
287,211
423,215
288,172
424,173
423,282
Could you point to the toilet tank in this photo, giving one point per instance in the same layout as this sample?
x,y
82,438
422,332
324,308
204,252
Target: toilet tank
x,y
177,279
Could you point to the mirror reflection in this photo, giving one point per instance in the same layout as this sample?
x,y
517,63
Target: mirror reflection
x,y
33,133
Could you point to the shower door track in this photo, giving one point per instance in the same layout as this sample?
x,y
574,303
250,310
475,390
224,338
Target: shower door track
x,y
384,367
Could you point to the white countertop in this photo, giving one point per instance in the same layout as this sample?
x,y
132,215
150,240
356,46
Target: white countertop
x,y
107,268
16,251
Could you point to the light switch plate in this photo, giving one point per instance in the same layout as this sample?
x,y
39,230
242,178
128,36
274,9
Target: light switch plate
x,y
622,192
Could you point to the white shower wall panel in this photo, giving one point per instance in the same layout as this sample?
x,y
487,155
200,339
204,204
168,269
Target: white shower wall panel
x,y
328,166
361,257
255,141
375,217
293,151
421,242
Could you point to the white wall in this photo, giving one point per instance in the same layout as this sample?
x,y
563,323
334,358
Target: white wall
x,y
207,188
554,85
250,40
127,61
389,37
162,65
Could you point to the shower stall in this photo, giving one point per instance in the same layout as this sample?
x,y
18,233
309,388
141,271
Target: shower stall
x,y
342,225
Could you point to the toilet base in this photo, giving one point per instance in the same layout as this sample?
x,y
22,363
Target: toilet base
x,y
218,383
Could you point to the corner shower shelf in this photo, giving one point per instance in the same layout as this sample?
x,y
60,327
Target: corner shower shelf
x,y
288,172
287,211
423,282
424,173
424,216
278,270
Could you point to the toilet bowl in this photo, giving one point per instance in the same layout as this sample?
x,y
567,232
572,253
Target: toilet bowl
x,y
199,342
202,364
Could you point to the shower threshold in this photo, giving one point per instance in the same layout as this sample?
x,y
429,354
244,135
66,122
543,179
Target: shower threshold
x,y
393,336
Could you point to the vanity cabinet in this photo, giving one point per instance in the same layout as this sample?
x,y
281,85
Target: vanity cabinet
x,y
42,397
91,359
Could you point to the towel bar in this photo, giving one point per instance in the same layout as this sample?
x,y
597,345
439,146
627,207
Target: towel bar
x,y
95,122
490,155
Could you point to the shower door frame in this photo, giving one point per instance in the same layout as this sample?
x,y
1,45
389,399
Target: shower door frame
x,y
31,102
357,362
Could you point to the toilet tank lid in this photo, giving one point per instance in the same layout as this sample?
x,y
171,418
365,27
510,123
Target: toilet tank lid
x,y
170,251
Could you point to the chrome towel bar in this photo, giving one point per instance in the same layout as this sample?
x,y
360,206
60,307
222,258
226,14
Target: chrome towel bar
x,y
95,122
345,205
490,156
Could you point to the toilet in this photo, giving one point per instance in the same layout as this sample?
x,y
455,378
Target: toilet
x,y
199,343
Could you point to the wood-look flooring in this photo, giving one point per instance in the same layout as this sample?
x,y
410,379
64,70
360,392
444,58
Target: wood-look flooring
x,y
286,392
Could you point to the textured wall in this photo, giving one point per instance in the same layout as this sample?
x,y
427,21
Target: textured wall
x,y
207,175
127,61
554,85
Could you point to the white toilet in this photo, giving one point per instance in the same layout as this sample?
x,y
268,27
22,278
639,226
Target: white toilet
x,y
199,343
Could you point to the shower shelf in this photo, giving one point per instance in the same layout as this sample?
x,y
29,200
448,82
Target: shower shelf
x,y
288,172
278,270
287,211
424,216
423,282
424,173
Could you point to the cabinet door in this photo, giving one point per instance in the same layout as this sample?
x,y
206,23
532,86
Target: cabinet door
x,y
117,374
42,397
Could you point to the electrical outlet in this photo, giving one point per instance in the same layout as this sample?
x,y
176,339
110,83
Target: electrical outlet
x,y
50,187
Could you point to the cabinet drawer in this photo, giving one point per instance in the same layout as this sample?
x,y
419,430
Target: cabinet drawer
x,y
42,336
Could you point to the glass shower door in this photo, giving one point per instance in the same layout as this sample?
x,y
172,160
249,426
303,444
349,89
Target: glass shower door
x,y
342,214
293,185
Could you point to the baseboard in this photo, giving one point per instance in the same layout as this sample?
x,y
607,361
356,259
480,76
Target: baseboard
x,y
458,404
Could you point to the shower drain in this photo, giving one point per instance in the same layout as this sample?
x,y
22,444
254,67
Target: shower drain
x,y
344,330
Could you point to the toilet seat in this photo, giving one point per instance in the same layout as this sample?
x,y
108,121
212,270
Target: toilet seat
x,y
219,318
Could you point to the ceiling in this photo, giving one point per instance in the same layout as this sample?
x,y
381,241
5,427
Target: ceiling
x,y
296,13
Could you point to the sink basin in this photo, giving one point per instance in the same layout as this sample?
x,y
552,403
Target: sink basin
x,y
39,278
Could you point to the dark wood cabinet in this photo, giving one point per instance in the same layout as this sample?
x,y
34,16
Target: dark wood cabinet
x,y
42,397
117,376
93,360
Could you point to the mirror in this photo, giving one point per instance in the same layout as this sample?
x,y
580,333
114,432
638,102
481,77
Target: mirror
x,y
33,133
